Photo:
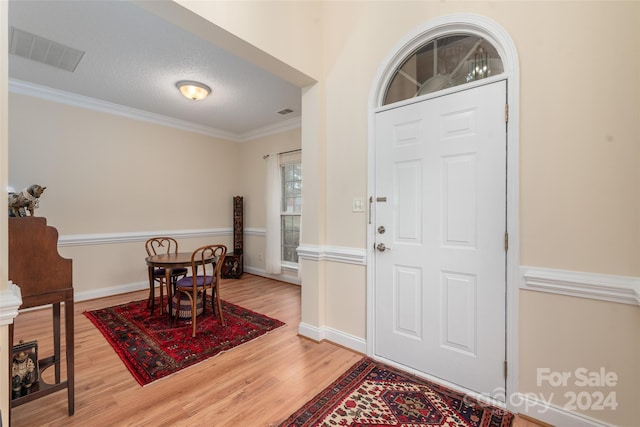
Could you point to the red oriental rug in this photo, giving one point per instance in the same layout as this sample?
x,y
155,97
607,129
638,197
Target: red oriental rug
x,y
371,394
151,350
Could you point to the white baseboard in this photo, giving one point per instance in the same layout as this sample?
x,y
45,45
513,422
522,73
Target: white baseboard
x,y
335,336
281,277
309,331
524,404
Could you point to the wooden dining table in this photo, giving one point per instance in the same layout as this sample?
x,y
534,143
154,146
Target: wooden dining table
x,y
168,262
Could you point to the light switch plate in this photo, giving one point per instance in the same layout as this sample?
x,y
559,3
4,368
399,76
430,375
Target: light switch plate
x,y
357,205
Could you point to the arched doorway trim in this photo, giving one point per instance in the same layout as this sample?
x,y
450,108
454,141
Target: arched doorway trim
x,y
500,39
451,24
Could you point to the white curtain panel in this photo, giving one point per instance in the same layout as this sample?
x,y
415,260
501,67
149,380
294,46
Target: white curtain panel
x,y
273,201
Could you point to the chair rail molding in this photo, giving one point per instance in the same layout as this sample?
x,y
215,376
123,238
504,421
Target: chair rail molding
x,y
253,231
620,289
10,302
138,236
342,254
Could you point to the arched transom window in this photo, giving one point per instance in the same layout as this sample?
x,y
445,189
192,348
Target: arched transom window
x,y
441,63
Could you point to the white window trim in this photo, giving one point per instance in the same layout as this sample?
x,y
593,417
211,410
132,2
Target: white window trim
x,y
285,160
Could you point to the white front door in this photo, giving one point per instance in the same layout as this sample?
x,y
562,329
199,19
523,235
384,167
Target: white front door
x,y
440,211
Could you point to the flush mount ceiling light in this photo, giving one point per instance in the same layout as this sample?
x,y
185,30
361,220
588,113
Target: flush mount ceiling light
x,y
193,90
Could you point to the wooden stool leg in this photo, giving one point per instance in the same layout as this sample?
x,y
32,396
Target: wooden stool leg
x,y
56,339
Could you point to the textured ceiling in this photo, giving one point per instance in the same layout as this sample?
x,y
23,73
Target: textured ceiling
x,y
134,58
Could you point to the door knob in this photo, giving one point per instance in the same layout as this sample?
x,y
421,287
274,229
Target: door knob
x,y
381,247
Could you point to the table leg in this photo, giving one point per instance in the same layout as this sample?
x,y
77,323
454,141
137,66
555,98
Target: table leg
x,y
161,298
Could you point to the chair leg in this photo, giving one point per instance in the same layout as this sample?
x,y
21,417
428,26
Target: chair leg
x,y
204,301
194,314
217,294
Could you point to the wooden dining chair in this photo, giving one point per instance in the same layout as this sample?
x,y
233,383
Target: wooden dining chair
x,y
190,286
157,246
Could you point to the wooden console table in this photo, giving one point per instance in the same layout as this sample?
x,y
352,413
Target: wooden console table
x,y
44,278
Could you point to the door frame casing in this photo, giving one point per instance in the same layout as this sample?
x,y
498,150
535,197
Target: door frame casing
x,y
496,35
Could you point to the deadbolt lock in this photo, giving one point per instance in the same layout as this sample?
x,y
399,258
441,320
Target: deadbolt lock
x,y
381,229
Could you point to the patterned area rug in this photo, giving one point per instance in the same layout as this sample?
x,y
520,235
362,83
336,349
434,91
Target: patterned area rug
x,y
151,350
373,394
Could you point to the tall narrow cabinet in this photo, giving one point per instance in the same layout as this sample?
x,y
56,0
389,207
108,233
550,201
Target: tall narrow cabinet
x,y
44,278
233,267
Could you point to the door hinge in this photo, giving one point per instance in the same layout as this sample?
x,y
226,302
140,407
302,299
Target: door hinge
x,y
505,369
506,113
506,241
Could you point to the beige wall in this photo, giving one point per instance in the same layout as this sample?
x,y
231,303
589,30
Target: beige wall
x,y
579,163
108,174
561,334
288,30
580,166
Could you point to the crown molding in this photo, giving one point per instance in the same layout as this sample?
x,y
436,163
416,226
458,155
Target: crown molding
x,y
287,125
42,92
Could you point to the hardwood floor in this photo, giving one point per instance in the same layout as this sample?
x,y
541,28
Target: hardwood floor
x,y
257,384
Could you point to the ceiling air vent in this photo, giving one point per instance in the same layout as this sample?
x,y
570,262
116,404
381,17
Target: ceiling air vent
x,y
45,51
285,111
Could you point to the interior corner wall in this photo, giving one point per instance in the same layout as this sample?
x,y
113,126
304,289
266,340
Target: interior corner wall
x,y
111,175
